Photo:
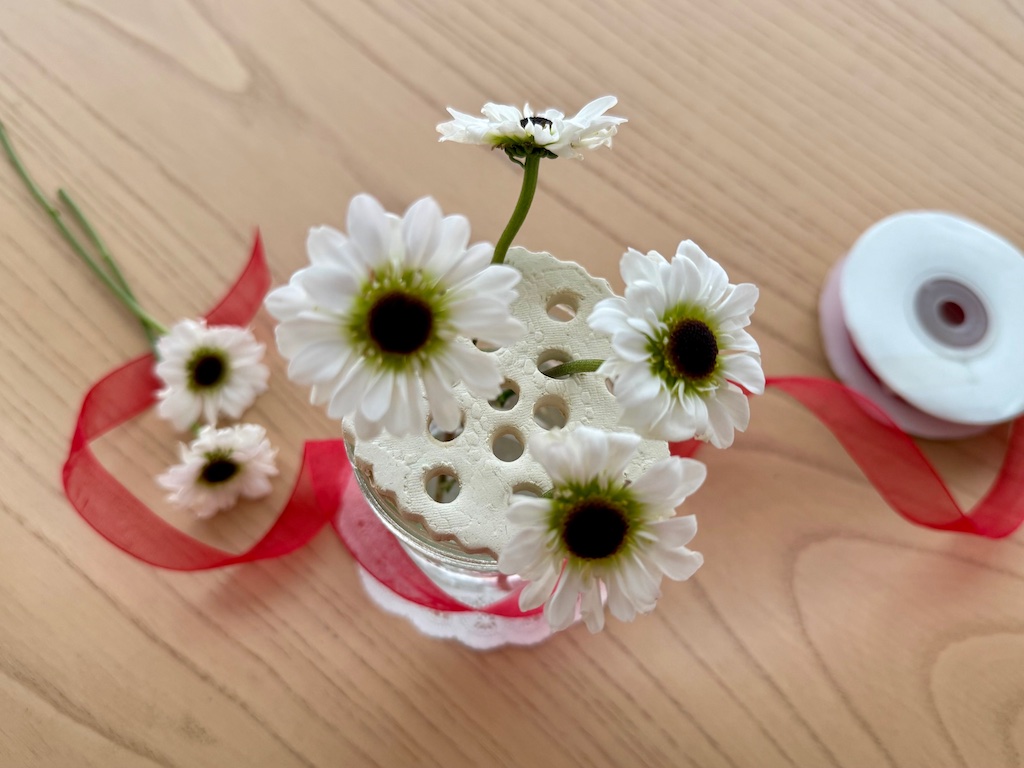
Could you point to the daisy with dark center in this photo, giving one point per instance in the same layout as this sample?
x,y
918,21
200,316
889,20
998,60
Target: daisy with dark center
x,y
682,364
523,133
380,323
597,533
208,371
527,138
219,467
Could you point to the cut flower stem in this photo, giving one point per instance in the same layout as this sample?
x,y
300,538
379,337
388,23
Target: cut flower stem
x,y
531,170
149,327
114,281
573,366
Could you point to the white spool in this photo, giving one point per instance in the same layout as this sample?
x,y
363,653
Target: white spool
x,y
925,316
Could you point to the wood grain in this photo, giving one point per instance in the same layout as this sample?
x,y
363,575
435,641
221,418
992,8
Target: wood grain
x,y
823,630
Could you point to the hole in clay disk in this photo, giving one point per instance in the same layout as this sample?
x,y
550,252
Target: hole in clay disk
x,y
526,489
562,307
551,412
552,358
508,446
442,486
508,398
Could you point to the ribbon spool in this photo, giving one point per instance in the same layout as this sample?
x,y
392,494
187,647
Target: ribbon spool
x,y
925,318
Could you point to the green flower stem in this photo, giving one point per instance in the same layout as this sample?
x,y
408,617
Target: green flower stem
x,y
573,366
151,331
531,171
124,297
86,225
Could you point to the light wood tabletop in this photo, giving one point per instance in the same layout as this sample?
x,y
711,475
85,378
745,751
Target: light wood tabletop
x,y
823,629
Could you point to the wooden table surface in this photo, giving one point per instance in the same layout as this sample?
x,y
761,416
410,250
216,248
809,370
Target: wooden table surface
x,y
823,630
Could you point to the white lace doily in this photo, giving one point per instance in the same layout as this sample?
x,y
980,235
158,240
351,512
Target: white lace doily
x,y
480,631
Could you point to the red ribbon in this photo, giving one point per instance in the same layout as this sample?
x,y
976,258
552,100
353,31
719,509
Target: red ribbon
x,y
325,489
898,469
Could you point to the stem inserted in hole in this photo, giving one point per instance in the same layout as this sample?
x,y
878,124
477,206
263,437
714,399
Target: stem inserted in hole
x,y
573,366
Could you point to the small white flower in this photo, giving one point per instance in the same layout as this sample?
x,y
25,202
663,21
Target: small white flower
x,y
596,531
679,348
207,371
387,312
220,466
549,133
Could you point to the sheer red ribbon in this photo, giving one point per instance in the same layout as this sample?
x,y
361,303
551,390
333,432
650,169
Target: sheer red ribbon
x,y
325,489
898,469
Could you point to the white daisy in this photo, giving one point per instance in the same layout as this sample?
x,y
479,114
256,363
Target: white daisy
x,y
207,371
549,133
218,467
387,312
679,348
599,532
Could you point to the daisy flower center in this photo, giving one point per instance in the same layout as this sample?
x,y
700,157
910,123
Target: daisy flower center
x,y
595,528
543,122
691,350
400,323
207,368
399,318
219,468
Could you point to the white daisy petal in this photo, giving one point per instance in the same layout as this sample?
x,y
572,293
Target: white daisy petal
x,y
608,316
728,412
420,231
641,588
444,408
521,552
678,564
536,593
452,242
325,245
288,301
529,512
675,532
378,396
307,327
736,308
668,482
478,370
369,229
330,287
350,390
636,266
560,609
591,608
619,604
631,346
467,263
744,370
620,449
319,361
